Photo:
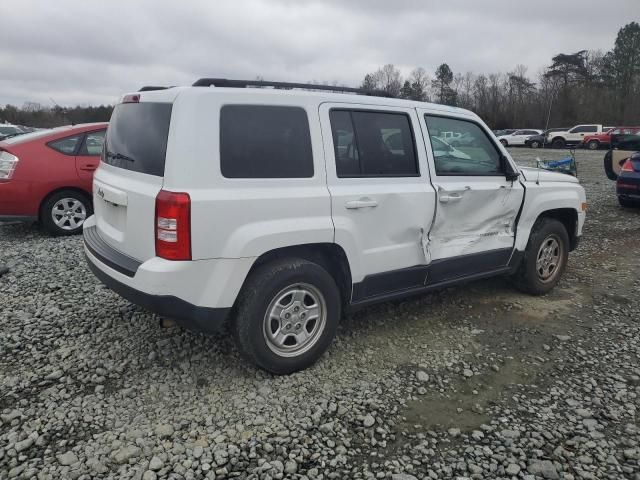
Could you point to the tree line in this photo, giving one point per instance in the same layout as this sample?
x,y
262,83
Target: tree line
x,y
581,87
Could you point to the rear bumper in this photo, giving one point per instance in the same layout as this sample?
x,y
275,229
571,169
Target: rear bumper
x,y
186,314
197,294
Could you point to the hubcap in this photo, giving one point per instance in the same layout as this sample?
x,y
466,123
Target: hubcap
x,y
295,320
549,258
68,213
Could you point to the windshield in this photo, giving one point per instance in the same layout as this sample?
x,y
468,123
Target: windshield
x,y
137,137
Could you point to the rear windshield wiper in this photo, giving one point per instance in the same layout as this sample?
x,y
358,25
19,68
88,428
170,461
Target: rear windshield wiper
x,y
119,156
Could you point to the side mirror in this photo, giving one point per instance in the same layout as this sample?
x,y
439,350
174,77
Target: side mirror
x,y
510,174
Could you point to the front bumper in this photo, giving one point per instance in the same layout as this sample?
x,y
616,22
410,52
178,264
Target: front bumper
x,y
176,290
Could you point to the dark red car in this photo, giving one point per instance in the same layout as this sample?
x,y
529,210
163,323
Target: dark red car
x,y
593,142
47,176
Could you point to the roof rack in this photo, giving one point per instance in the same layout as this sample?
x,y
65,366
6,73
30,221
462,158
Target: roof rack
x,y
149,88
224,82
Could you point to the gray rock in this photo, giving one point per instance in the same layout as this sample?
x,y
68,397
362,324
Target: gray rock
x,y
66,459
422,376
124,454
467,372
149,475
512,469
156,463
24,444
543,468
403,476
368,421
164,430
290,467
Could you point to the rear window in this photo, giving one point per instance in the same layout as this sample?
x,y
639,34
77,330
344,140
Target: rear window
x,y
137,137
265,141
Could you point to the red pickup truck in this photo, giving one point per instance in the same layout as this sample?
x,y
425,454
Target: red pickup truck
x,y
593,142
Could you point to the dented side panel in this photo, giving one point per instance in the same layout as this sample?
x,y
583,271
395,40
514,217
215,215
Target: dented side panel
x,y
482,218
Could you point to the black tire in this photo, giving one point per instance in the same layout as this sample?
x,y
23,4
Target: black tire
x,y
265,286
626,203
504,142
558,143
608,166
528,277
80,208
593,145
534,144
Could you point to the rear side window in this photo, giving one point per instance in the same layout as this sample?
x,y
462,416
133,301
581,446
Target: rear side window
x,y
265,141
92,145
137,137
373,144
67,145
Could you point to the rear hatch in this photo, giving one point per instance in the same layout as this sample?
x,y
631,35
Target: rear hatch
x,y
130,176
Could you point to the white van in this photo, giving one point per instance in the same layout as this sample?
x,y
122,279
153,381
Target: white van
x,y
272,208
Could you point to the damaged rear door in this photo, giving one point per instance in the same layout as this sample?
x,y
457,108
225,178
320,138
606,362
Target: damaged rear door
x,y
476,207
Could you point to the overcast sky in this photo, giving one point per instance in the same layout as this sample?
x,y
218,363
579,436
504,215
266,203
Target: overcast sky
x,y
90,51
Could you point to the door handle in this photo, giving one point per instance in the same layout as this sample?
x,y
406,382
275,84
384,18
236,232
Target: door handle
x,y
451,197
88,168
362,203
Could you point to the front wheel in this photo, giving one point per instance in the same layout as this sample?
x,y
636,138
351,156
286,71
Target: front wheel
x,y
64,212
503,142
287,315
545,258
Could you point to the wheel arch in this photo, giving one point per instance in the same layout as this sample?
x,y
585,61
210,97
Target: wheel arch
x,y
569,218
329,256
83,192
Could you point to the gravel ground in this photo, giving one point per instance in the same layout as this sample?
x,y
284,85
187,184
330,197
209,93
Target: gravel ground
x,y
478,381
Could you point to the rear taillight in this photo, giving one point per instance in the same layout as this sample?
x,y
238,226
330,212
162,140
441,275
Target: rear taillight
x,y
628,166
8,164
173,225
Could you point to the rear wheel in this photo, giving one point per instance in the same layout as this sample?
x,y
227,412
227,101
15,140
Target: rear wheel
x,y
504,142
534,144
558,143
593,144
545,258
64,212
287,315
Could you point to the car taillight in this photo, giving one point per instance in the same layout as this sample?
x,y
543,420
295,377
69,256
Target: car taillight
x,y
8,164
173,225
628,166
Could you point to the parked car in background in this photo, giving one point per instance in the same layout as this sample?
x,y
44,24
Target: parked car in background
x,y
518,137
537,141
507,131
47,176
593,142
573,136
306,204
7,131
628,182
622,147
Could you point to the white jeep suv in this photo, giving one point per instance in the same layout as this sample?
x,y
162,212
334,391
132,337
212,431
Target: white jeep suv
x,y
272,210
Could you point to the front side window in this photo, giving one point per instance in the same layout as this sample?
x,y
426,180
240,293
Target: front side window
x,y
67,145
373,144
478,155
92,145
585,129
265,141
